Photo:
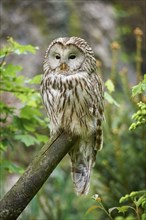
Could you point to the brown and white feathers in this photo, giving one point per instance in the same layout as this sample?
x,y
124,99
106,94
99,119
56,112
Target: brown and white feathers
x,y
72,93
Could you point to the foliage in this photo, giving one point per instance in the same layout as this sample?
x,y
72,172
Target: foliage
x,y
140,88
19,120
121,162
107,95
138,206
140,115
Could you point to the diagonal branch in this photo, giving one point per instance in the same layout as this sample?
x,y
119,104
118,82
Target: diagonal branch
x,y
15,201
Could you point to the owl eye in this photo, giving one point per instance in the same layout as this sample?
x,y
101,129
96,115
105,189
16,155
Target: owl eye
x,y
72,56
57,57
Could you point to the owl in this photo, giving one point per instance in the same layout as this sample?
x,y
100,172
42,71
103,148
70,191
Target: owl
x,y
72,93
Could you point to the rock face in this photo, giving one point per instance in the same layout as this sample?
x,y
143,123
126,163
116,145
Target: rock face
x,y
39,22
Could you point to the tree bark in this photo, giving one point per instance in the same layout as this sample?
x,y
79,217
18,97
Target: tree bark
x,y
18,197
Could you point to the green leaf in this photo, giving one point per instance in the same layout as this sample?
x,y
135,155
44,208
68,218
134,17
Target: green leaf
x,y
32,99
42,138
5,109
28,112
119,218
110,86
21,49
123,209
135,193
29,126
14,47
143,217
124,198
3,51
11,167
27,139
130,217
140,88
10,70
141,200
139,116
3,147
144,204
19,80
36,79
110,99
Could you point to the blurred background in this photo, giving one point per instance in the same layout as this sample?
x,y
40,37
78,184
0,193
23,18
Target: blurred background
x,y
108,26
99,22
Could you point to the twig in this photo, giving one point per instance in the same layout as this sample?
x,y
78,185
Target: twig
x,y
17,91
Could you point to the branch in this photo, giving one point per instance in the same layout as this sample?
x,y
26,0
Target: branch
x,y
18,91
3,59
15,201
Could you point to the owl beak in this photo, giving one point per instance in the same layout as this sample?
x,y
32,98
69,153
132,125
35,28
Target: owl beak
x,y
63,66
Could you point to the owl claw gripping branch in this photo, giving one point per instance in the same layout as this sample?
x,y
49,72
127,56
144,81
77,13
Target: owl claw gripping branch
x,y
72,93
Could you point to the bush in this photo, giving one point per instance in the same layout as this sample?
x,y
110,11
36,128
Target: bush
x,y
21,118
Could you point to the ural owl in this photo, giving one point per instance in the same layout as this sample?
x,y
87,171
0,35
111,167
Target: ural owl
x,y
72,93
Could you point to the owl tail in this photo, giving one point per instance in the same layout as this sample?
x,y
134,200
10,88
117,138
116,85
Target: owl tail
x,y
81,169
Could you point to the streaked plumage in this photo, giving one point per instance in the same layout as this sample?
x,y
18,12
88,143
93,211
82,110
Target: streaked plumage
x,y
72,93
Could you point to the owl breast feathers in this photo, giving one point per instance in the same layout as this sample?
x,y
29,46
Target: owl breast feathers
x,y
72,93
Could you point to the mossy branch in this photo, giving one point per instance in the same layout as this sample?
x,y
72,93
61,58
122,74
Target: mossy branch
x,y
15,201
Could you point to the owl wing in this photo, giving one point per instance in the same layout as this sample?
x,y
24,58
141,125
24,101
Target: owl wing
x,y
98,96
97,108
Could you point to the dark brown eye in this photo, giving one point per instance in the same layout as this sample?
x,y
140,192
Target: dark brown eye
x,y
72,56
57,57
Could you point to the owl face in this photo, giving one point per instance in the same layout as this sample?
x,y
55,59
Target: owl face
x,y
65,57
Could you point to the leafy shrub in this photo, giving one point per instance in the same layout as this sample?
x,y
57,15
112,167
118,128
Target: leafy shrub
x,y
120,165
138,206
140,115
20,125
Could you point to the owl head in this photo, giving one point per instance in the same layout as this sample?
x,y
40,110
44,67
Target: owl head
x,y
69,55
